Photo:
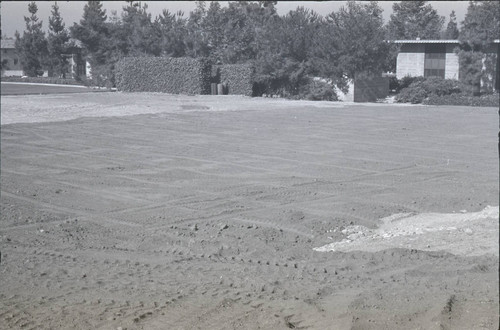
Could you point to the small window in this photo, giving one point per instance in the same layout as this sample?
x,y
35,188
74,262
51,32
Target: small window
x,y
16,61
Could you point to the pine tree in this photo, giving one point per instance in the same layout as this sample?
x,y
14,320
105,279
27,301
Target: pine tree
x,y
32,46
138,31
173,32
213,31
414,19
93,33
479,29
481,24
196,45
283,59
452,27
57,43
358,39
92,30
242,23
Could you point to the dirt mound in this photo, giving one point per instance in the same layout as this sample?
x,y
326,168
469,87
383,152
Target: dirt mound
x,y
462,233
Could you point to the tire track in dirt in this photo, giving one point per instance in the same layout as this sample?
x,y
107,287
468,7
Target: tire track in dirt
x,y
85,216
209,242
220,142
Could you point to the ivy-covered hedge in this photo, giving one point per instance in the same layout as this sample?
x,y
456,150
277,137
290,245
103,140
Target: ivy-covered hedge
x,y
238,78
163,74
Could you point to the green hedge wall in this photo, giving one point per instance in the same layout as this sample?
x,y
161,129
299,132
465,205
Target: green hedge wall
x,y
238,78
163,74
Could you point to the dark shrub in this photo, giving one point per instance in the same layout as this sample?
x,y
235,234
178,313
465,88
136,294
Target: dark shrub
x,y
317,90
422,88
441,87
396,85
393,84
492,100
415,93
407,81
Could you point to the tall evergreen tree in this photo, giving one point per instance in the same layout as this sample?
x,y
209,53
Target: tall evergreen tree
x,y
32,46
57,43
283,60
356,40
245,27
481,25
93,33
452,27
117,46
414,19
479,29
195,42
138,30
92,30
3,65
173,32
212,26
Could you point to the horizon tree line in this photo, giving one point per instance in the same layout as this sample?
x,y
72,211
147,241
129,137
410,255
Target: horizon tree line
x,y
286,50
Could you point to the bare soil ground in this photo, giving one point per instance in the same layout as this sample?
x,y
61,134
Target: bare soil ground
x,y
200,212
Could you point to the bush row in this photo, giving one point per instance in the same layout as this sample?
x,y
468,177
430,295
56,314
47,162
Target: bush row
x,y
317,90
397,85
423,88
163,74
492,100
43,80
238,78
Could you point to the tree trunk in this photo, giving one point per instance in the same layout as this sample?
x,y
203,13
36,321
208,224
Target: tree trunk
x,y
476,89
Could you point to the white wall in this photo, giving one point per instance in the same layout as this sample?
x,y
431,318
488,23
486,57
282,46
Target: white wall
x,y
410,64
12,73
452,65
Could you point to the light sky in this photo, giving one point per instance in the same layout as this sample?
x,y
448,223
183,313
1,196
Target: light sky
x,y
12,12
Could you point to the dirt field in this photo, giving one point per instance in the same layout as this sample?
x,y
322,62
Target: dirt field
x,y
203,212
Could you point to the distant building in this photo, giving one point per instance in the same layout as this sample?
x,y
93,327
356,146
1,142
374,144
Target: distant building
x,y
10,61
11,65
429,58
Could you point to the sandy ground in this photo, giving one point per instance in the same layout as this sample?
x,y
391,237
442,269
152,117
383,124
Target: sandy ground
x,y
151,211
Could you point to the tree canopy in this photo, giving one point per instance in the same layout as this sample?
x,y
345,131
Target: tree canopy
x,y
32,46
138,31
58,43
452,27
287,51
93,31
479,29
481,24
414,19
358,38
